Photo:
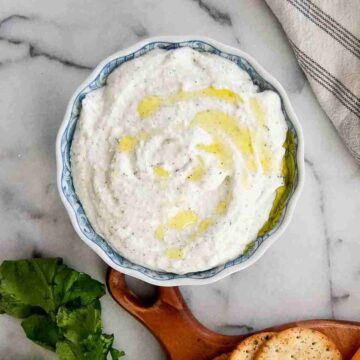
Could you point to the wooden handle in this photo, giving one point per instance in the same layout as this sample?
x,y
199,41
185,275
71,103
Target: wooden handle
x,y
183,337
170,320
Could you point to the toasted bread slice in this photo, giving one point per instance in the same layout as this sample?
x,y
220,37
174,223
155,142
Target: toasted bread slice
x,y
300,344
248,348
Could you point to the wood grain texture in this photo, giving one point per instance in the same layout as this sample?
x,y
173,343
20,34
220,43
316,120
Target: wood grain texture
x,y
183,337
356,356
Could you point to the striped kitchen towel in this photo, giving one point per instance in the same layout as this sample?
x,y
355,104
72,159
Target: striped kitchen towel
x,y
325,36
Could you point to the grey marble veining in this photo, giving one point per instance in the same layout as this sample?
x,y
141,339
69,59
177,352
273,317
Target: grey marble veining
x,y
47,48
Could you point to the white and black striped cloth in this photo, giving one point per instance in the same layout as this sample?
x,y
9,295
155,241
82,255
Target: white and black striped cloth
x,y
325,36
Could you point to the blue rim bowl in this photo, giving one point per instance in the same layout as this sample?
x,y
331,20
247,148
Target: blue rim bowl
x,y
75,210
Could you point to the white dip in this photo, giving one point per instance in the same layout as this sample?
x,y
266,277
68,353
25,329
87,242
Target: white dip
x,y
176,160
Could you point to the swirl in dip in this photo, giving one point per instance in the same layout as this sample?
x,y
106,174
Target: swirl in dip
x,y
178,160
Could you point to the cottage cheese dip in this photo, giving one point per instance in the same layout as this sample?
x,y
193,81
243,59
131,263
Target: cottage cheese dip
x,y
177,160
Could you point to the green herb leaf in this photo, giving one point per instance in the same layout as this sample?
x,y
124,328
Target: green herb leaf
x,y
72,287
78,324
116,354
97,346
9,304
94,347
42,330
28,281
60,307
46,283
66,350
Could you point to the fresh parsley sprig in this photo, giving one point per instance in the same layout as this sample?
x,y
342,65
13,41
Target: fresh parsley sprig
x,y
59,306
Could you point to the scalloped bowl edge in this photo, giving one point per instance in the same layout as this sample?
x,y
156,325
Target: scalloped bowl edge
x,y
288,212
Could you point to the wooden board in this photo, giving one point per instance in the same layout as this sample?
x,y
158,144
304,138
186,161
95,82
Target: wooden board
x,y
183,337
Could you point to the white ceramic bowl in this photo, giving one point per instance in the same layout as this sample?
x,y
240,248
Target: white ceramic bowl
x,y
72,204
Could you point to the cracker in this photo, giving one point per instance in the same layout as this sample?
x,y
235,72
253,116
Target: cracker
x,y
248,348
299,344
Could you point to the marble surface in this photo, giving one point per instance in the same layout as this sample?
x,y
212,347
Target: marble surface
x,y
48,47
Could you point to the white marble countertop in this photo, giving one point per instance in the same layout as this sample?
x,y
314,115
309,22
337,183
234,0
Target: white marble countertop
x,y
48,47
